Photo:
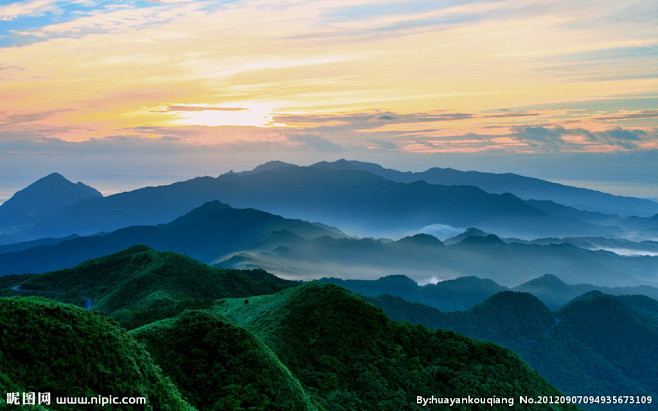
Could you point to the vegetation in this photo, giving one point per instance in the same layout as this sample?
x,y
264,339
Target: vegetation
x,y
140,285
310,346
46,346
348,355
12,280
220,339
220,366
596,345
615,346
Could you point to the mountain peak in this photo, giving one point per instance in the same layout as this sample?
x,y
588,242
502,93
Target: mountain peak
x,y
421,239
487,239
398,280
469,233
510,307
341,164
474,232
271,165
53,177
43,197
51,181
195,214
589,296
547,280
265,167
354,165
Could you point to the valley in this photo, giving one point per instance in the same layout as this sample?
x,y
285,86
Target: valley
x,y
501,285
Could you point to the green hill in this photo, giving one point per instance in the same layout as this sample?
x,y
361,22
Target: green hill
x,y
615,346
348,355
508,317
219,366
46,346
595,345
234,339
140,285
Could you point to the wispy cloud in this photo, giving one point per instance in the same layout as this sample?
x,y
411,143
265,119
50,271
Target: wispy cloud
x,y
633,115
108,20
578,139
170,1
10,119
333,78
174,108
315,142
15,10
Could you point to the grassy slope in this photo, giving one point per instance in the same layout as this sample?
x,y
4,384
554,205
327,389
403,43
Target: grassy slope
x,y
140,285
595,345
220,366
46,346
343,351
612,345
348,355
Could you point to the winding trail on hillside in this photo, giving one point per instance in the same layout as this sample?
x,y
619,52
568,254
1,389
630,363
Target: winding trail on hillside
x,y
88,301
548,330
557,321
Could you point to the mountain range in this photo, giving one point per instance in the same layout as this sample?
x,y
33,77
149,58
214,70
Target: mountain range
x,y
305,347
216,233
463,293
40,199
135,284
207,233
219,318
277,344
426,259
526,188
352,199
596,344
354,357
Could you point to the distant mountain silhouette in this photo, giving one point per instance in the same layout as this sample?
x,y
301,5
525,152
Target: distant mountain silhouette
x,y
595,345
505,316
526,188
269,166
470,232
464,293
487,239
14,247
555,293
207,233
450,295
424,260
353,200
420,240
41,198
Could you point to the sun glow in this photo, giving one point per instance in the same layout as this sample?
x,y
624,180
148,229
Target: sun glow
x,y
247,114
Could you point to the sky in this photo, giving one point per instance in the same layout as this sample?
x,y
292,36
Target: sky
x,y
122,94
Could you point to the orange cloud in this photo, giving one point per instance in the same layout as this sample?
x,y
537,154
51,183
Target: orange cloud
x,y
480,69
